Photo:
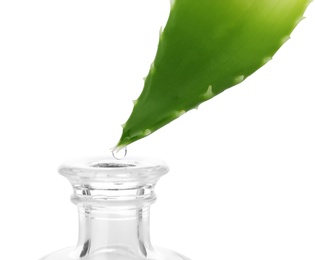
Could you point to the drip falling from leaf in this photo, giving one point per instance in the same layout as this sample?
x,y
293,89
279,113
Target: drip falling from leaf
x,y
207,47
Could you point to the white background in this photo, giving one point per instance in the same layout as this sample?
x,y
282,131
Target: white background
x,y
242,179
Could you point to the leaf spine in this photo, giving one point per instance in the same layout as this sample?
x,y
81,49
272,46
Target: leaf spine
x,y
152,67
300,19
147,132
285,39
209,93
266,60
179,113
172,3
239,79
161,32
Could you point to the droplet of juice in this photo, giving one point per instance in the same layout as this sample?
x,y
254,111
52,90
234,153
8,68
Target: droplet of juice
x,y
119,154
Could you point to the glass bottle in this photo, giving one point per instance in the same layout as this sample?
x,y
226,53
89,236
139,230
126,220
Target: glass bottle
x,y
113,199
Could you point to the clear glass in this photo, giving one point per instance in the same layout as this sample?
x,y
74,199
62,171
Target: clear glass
x,y
113,199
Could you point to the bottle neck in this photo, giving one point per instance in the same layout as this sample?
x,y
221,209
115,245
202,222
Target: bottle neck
x,y
113,198
114,221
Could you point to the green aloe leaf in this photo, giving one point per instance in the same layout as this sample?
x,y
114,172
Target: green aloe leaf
x,y
207,47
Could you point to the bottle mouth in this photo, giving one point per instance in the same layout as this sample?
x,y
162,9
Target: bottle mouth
x,y
106,170
111,165
107,182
